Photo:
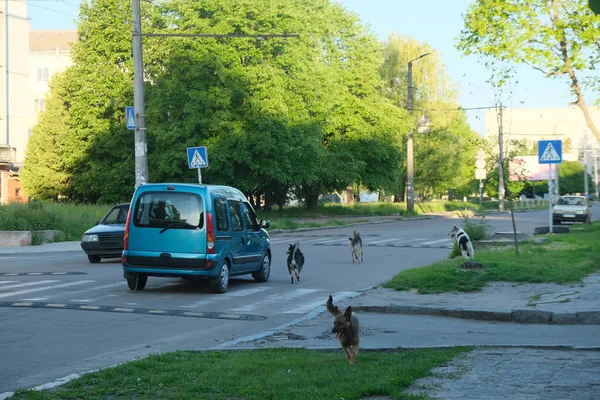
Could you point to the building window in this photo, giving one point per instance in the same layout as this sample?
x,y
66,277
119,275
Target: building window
x,y
39,105
18,193
43,74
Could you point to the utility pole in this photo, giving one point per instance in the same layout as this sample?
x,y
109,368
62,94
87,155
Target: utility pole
x,y
410,204
585,168
7,76
141,145
501,188
596,172
410,185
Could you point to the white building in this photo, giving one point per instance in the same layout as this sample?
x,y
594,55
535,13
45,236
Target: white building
x,y
567,124
49,54
14,78
532,124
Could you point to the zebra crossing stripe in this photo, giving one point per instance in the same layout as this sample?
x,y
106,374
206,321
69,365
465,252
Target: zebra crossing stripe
x,y
146,311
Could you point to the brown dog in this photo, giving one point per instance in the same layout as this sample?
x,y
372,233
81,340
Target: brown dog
x,y
347,330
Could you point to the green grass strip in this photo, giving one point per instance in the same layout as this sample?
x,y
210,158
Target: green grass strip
x,y
256,374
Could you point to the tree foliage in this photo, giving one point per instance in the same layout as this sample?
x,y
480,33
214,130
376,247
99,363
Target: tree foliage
x,y
559,38
277,115
444,158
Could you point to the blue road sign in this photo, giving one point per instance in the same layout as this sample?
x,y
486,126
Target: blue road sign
x,y
130,118
197,157
550,151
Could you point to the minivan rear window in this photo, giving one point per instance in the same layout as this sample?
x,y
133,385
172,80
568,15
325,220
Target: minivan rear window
x,y
168,209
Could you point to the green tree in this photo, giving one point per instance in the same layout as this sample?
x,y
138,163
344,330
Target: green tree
x,y
571,175
43,173
444,158
276,115
559,38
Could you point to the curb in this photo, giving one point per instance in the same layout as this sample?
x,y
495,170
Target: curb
x,y
502,315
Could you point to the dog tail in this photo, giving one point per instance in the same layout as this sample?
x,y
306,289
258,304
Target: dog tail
x,y
331,308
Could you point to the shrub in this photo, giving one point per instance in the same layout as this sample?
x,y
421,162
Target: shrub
x,y
476,227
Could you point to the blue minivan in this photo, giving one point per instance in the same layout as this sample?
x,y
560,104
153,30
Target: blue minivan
x,y
193,231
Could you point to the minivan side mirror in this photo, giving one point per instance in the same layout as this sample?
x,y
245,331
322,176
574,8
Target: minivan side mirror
x,y
265,223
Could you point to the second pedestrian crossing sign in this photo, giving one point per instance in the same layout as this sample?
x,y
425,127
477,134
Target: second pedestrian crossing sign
x,y
197,157
549,151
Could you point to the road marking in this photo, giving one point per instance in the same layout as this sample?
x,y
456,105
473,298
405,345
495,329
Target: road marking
x,y
276,298
228,295
435,241
304,308
27,284
26,291
3,282
121,283
382,241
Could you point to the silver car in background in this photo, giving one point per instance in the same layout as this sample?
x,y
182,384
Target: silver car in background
x,y
572,208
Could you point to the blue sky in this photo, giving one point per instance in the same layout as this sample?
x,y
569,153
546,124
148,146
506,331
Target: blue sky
x,y
437,22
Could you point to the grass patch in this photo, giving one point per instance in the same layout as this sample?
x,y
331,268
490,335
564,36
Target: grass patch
x,y
261,374
563,259
71,219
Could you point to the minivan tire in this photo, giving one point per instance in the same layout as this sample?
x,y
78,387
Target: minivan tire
x,y
221,282
262,275
137,283
94,259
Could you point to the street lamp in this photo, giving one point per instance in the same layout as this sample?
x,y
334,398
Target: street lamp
x,y
410,190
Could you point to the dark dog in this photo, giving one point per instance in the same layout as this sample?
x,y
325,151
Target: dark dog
x,y
463,241
295,261
346,328
356,249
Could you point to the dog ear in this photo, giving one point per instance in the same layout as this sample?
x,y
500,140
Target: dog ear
x,y
348,313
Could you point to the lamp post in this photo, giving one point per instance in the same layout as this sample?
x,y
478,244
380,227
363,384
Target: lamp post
x,y
410,190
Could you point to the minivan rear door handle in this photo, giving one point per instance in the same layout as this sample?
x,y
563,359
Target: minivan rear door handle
x,y
165,255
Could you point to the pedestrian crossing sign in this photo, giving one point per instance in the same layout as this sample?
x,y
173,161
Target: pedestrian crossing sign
x,y
197,157
130,118
549,151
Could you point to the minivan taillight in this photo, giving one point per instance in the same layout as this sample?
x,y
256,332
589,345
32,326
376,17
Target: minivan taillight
x,y
126,236
210,234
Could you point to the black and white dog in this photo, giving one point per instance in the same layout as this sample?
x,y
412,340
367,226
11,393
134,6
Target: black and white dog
x,y
463,241
295,261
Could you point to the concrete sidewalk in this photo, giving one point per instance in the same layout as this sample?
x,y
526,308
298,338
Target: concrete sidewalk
x,y
533,341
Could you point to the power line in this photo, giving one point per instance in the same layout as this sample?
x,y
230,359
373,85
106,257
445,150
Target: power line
x,y
56,11
219,35
456,109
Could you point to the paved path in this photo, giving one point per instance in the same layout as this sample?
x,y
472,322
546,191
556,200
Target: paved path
x,y
516,373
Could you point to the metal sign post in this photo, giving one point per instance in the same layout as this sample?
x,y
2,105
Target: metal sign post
x,y
480,172
197,158
550,152
550,193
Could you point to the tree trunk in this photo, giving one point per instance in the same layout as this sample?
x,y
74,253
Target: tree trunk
x,y
311,201
574,82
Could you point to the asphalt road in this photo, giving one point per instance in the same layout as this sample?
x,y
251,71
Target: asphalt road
x,y
89,319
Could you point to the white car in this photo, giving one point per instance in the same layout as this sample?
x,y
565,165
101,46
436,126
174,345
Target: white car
x,y
572,208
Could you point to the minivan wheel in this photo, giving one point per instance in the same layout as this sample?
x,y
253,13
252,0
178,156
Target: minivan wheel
x,y
262,275
221,283
137,283
94,259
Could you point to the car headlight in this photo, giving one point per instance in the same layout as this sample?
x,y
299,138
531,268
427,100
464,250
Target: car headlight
x,y
90,238
579,212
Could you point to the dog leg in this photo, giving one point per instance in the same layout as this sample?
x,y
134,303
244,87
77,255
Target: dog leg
x,y
347,353
297,277
292,276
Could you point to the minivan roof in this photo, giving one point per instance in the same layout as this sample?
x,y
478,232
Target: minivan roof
x,y
218,190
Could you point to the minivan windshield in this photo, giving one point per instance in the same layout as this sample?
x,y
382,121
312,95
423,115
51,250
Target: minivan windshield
x,y
169,210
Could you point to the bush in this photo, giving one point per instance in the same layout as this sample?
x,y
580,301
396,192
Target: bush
x,y
476,227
